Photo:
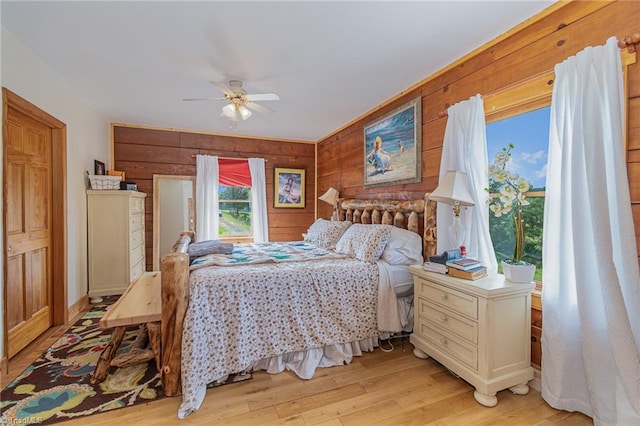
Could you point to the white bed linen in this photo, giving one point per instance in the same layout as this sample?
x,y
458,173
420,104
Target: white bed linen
x,y
401,280
238,316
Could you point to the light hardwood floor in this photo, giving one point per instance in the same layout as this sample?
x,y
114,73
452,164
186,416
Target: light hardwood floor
x,y
379,388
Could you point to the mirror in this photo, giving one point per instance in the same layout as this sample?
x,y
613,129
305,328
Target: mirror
x,y
173,212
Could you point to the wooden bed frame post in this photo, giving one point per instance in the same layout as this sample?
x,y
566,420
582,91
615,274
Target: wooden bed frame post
x,y
430,233
175,299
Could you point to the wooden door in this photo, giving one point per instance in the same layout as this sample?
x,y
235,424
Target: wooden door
x,y
28,230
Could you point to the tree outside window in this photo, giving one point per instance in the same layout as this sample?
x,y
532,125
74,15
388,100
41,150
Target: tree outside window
x,y
234,204
529,132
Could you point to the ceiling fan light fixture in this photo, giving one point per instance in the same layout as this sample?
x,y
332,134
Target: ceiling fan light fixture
x,y
244,112
229,110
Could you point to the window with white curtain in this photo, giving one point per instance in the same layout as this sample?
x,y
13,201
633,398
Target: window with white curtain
x,y
529,133
234,206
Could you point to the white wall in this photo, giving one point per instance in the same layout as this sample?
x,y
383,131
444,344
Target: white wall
x,y
87,139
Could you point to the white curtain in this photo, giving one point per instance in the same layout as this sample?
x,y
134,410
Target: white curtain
x,y
465,149
207,179
259,220
591,292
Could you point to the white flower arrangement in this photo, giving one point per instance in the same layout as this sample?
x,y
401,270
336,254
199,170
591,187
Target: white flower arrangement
x,y
512,189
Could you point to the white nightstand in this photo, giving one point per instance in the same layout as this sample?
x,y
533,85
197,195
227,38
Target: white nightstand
x,y
480,330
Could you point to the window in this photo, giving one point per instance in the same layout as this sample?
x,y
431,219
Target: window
x,y
529,132
234,205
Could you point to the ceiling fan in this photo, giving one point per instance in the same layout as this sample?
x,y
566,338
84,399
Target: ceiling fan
x,y
240,103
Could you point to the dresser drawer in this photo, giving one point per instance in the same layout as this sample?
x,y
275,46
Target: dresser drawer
x,y
136,254
465,353
136,221
136,271
136,238
447,320
136,204
457,301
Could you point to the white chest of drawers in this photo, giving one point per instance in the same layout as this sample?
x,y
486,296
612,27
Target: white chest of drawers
x,y
480,330
115,240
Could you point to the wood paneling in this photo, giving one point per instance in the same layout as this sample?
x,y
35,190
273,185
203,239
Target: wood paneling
x,y
141,152
633,116
517,57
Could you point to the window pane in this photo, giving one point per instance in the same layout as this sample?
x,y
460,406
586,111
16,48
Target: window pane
x,y
234,193
529,132
501,229
235,211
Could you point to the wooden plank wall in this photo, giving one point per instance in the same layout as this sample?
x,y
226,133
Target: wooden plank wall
x,y
523,53
142,152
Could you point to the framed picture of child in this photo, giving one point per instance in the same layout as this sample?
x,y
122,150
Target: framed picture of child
x,y
393,147
288,188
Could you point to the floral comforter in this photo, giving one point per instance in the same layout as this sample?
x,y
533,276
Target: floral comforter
x,y
238,315
244,254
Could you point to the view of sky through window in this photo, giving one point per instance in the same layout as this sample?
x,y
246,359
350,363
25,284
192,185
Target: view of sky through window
x,y
529,133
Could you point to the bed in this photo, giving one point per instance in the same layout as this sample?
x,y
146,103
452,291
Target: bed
x,y
291,306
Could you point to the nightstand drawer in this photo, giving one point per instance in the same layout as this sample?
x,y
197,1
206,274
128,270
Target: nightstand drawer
x,y
465,353
457,301
447,320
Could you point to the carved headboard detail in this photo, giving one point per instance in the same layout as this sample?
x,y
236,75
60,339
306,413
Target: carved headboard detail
x,y
403,214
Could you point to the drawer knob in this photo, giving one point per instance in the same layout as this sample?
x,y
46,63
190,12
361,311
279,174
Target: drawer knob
x,y
534,339
444,318
444,341
444,296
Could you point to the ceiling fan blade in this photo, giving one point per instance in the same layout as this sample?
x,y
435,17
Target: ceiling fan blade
x,y
224,88
203,99
263,97
257,107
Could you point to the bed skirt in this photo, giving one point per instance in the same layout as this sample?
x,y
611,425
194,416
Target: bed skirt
x,y
302,363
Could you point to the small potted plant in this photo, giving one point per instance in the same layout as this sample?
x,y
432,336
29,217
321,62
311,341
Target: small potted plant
x,y
510,201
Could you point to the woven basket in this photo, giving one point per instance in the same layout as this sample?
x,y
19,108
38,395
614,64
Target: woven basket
x,y
104,182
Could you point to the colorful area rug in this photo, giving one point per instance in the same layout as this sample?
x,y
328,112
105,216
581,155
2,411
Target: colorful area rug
x,y
57,386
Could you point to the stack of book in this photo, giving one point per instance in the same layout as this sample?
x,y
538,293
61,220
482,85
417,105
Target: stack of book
x,y
467,268
435,267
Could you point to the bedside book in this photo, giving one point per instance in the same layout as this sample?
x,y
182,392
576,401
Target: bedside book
x,y
464,263
472,274
434,267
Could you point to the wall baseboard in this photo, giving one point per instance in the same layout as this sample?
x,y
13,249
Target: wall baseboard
x,y
78,307
4,365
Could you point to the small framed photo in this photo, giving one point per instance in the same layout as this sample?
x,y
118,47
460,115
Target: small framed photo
x,y
99,167
288,188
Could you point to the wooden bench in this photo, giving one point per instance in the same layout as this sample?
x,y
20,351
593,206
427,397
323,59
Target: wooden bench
x,y
140,304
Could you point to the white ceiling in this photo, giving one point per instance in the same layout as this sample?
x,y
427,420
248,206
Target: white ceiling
x,y
330,62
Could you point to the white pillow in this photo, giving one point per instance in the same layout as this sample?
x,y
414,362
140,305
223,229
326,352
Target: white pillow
x,y
326,233
364,242
403,248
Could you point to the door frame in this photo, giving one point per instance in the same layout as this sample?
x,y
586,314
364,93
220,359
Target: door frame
x,y
58,205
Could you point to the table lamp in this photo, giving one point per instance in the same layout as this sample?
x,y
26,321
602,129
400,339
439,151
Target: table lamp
x,y
331,197
454,189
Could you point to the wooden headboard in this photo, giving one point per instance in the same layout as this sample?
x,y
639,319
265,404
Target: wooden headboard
x,y
410,215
